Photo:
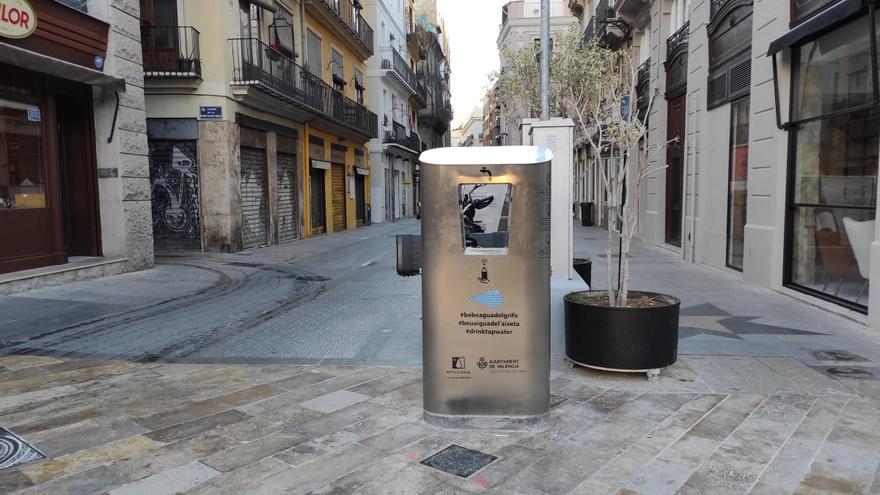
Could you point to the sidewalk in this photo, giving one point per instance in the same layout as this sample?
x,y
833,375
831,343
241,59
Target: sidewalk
x,y
752,406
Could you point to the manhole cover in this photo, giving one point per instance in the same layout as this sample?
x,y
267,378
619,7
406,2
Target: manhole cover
x,y
244,264
857,373
311,278
459,461
837,356
15,451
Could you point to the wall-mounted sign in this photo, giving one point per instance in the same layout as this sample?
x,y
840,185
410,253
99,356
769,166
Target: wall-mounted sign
x,y
17,19
210,113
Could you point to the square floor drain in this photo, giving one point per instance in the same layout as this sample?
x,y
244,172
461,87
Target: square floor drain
x,y
15,451
459,461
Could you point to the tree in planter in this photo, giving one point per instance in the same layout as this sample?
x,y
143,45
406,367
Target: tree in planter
x,y
595,87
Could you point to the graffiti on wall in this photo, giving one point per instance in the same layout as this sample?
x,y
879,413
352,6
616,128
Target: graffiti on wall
x,y
175,195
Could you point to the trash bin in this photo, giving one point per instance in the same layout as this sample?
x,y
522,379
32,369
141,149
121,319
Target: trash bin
x,y
584,268
587,214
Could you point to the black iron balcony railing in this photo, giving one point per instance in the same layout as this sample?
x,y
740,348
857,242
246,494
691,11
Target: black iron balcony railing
x,y
171,51
678,38
398,135
401,68
589,32
353,20
421,94
643,85
256,63
716,6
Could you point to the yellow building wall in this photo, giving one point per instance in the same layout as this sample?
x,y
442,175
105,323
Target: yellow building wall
x,y
350,61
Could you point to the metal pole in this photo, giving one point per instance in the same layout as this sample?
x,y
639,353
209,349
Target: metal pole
x,y
545,59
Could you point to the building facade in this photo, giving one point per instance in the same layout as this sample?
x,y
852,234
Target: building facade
x,y
492,135
521,24
396,96
257,120
433,71
773,177
472,130
74,180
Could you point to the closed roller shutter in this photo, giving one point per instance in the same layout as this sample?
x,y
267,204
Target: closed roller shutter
x,y
254,211
286,196
338,187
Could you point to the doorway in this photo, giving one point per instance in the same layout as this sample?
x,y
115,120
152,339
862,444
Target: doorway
x,y
360,196
316,190
337,185
674,171
79,186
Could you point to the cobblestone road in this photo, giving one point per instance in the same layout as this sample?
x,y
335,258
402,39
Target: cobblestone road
x,y
335,299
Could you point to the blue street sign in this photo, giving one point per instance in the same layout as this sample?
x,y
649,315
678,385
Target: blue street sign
x,y
210,112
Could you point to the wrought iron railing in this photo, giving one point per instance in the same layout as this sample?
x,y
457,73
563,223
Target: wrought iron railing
x,y
256,63
171,51
643,86
716,6
398,135
352,18
678,38
399,66
421,93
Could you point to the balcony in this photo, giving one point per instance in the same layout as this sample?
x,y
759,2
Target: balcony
x,y
643,86
398,71
257,66
171,51
397,135
421,94
345,18
436,115
676,61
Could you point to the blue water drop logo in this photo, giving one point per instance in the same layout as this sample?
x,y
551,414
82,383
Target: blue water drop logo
x,y
491,298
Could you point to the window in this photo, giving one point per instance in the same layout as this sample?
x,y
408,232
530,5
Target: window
x,y
833,177
679,14
315,61
737,193
281,32
645,45
22,176
249,19
359,86
337,69
485,209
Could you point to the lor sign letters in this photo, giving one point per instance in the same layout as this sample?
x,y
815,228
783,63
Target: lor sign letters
x,y
17,19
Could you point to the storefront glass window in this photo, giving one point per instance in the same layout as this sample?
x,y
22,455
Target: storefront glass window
x,y
22,177
834,189
738,182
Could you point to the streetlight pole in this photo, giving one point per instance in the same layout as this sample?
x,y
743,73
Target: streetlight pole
x,y
545,59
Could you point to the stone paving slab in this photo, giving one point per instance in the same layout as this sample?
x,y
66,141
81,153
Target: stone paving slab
x,y
249,429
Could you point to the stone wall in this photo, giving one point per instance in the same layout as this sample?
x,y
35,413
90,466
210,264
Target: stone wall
x,y
124,178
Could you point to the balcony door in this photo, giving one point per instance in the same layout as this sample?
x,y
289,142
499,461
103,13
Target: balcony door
x,y
674,170
161,34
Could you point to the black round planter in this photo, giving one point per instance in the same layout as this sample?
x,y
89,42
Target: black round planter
x,y
625,339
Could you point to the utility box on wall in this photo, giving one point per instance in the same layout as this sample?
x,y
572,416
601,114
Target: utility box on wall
x,y
485,265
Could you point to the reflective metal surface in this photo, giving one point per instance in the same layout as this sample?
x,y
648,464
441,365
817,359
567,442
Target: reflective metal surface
x,y
486,317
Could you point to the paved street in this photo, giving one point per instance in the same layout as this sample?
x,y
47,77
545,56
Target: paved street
x,y
294,369
335,299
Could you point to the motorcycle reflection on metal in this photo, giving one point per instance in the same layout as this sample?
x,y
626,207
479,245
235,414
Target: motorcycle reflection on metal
x,y
484,220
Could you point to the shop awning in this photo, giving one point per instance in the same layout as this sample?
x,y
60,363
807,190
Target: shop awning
x,y
837,14
20,57
320,164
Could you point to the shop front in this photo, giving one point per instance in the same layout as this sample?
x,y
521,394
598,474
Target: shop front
x,y
49,207
833,126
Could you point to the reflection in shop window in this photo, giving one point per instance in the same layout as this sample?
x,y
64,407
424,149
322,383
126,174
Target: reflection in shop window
x,y
834,190
738,182
22,182
485,211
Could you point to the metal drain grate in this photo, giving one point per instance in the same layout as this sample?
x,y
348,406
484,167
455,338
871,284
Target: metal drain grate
x,y
15,451
245,264
837,356
459,461
312,278
854,373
